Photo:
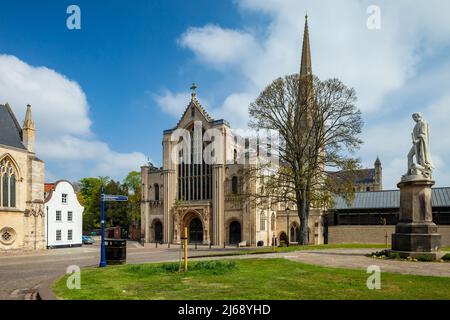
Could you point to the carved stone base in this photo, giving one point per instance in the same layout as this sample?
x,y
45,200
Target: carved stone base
x,y
416,242
416,234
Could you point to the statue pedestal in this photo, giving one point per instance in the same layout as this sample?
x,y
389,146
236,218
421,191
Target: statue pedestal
x,y
416,234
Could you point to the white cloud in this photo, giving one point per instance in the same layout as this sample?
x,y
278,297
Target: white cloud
x,y
377,63
219,46
173,104
63,128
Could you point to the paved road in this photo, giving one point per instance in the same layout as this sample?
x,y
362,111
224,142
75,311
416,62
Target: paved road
x,y
21,274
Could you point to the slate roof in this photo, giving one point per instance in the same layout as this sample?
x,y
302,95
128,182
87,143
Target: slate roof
x,y
356,177
10,130
389,199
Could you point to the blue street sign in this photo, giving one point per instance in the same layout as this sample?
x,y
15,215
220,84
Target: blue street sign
x,y
111,197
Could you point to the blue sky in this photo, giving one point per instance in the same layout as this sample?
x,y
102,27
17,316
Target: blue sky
x,y
102,95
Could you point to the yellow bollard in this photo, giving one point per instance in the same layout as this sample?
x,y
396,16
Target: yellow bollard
x,y
185,250
386,238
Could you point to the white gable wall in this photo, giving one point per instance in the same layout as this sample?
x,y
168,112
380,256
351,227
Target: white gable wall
x,y
55,204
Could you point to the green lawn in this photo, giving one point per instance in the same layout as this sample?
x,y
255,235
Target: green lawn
x,y
246,279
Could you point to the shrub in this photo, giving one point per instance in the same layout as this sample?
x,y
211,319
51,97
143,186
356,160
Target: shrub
x,y
379,254
425,258
211,267
446,257
394,255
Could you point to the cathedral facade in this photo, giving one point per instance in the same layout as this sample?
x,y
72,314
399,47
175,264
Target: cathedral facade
x,y
206,197
22,222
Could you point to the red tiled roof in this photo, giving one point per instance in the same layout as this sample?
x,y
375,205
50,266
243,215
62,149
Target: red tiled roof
x,y
48,187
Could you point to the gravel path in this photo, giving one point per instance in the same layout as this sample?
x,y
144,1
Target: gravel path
x,y
356,259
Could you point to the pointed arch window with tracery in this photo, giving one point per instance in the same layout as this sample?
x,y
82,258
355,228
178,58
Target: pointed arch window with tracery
x,y
8,185
194,178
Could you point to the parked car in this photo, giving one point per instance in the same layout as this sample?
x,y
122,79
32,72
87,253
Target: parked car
x,y
87,240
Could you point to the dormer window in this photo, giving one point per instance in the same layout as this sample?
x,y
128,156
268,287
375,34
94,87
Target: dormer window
x,y
192,112
64,198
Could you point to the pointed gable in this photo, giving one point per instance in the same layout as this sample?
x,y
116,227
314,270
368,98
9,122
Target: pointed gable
x,y
190,115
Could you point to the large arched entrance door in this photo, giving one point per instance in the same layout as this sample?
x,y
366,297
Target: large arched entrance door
x,y
283,237
158,231
196,231
235,232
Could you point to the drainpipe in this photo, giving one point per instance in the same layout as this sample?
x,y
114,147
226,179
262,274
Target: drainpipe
x,y
46,226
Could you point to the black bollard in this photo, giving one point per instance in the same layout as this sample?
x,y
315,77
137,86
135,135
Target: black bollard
x,y
196,246
210,245
224,244
168,245
156,244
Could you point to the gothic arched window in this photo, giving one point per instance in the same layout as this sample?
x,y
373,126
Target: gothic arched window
x,y
8,179
234,185
272,222
156,192
262,222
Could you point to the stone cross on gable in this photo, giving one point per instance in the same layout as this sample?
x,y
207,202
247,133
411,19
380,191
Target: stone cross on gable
x,y
193,87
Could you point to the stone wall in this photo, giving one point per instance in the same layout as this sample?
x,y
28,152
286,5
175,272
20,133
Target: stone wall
x,y
372,234
26,221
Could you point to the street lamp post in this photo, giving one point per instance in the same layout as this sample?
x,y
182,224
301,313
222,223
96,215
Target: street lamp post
x,y
288,231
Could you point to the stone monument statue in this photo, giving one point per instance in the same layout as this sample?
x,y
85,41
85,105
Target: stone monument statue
x,y
416,234
420,150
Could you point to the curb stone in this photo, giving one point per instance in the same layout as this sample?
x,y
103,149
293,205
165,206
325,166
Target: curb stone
x,y
44,290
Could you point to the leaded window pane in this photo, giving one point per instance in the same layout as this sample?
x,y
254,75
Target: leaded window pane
x,y
5,190
12,190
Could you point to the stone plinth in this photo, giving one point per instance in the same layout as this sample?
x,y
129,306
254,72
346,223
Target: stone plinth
x,y
416,234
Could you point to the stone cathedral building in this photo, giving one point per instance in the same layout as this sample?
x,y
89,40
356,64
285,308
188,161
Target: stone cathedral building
x,y
22,222
202,197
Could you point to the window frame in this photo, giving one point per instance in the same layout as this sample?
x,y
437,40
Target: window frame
x,y
60,216
262,221
64,197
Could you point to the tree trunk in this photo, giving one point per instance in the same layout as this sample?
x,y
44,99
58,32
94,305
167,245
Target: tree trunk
x,y
303,214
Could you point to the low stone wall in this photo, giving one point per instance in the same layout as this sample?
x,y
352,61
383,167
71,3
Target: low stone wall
x,y
372,234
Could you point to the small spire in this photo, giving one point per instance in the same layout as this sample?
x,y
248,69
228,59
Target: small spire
x,y
28,122
377,161
193,87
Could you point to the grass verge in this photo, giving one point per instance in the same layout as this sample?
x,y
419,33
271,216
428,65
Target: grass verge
x,y
246,279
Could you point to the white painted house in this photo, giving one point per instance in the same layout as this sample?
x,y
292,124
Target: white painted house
x,y
64,215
